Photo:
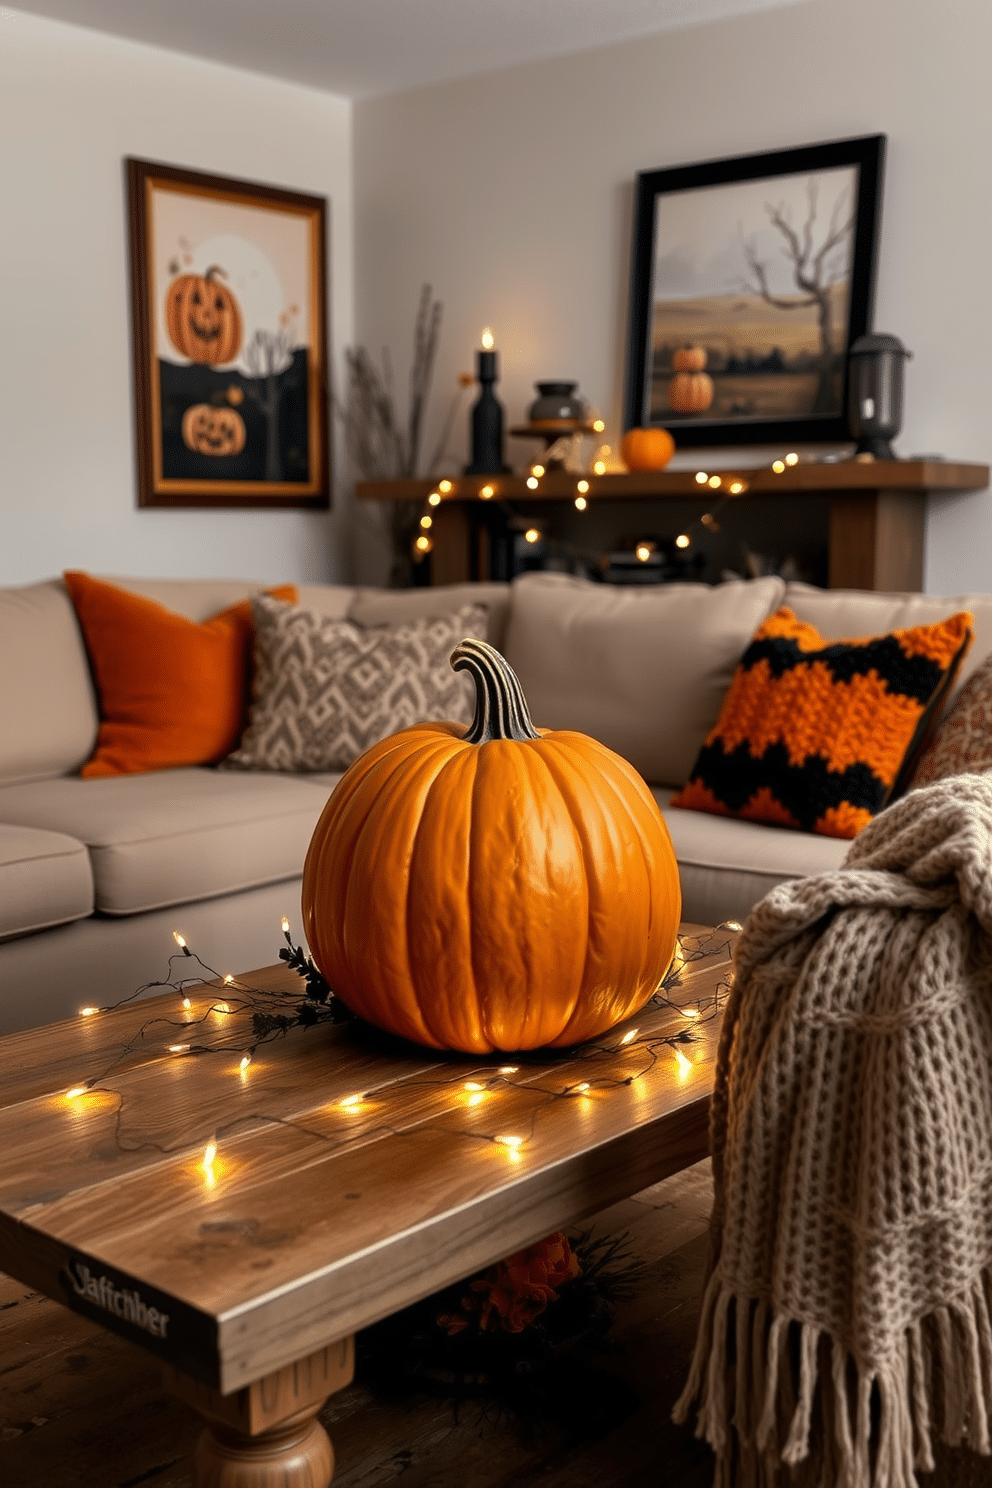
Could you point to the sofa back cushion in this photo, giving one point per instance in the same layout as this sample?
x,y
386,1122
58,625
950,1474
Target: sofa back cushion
x,y
46,697
642,670
841,614
198,599
397,606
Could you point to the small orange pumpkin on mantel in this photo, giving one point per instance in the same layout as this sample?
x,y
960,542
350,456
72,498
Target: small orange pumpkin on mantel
x,y
500,887
647,449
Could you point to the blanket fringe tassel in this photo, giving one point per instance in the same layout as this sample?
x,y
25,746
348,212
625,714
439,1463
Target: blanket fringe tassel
x,y
775,1394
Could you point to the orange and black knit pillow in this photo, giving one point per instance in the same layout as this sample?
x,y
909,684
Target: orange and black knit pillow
x,y
818,734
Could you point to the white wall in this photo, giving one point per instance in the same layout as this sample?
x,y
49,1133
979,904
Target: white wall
x,y
511,193
72,104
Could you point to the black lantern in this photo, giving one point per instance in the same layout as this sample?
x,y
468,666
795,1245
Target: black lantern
x,y
874,393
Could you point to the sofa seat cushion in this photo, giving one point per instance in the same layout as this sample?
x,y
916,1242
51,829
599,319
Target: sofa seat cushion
x,y
45,880
727,865
178,835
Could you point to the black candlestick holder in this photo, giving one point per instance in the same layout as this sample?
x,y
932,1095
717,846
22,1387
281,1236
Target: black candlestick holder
x,y
487,421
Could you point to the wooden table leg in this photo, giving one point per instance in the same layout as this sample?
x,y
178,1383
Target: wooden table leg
x,y
267,1435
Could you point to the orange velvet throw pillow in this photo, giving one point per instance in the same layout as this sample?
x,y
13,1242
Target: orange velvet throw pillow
x,y
171,692
819,735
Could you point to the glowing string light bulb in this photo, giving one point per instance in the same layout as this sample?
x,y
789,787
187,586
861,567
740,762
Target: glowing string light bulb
x,y
76,1092
701,477
683,540
434,499
87,1012
537,469
509,1141
508,1069
629,1036
778,466
178,1048
581,503
792,459
532,483
207,1165
243,1066
426,521
444,486
487,493
685,1065
582,487
187,1004
488,340
349,1102
181,943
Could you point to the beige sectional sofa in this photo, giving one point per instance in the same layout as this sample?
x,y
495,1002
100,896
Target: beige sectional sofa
x,y
96,874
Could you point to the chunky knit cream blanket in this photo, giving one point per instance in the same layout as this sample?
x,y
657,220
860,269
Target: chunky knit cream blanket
x,y
846,1321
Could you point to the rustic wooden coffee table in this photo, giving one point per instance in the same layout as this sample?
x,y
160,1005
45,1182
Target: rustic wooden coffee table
x,y
347,1183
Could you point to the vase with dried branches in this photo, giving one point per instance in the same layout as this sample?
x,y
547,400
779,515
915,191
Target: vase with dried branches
x,y
379,446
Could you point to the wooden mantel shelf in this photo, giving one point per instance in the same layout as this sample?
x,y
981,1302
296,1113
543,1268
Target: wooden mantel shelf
x,y
845,475
877,508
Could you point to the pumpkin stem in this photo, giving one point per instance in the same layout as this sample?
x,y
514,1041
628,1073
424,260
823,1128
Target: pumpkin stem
x,y
500,709
214,269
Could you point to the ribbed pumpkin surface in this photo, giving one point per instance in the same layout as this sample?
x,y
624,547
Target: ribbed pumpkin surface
x,y
506,894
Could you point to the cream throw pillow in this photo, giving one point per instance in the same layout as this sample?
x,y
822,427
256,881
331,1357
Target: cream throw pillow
x,y
326,690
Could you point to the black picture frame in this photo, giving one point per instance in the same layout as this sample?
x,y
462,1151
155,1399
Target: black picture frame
x,y
798,397
241,421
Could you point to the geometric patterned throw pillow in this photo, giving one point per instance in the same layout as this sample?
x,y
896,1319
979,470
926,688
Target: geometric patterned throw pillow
x,y
326,690
817,735
962,744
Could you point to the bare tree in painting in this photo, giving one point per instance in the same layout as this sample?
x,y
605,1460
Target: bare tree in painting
x,y
267,355
815,270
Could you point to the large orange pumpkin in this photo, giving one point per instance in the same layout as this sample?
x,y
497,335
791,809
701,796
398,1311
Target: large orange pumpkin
x,y
203,318
647,449
497,888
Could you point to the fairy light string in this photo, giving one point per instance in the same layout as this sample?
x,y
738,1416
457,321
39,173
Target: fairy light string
x,y
725,486
358,1117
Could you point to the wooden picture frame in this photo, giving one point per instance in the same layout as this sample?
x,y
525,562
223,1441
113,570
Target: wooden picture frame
x,y
229,333
765,263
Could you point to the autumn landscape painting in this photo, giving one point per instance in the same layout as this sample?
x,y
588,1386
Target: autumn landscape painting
x,y
750,299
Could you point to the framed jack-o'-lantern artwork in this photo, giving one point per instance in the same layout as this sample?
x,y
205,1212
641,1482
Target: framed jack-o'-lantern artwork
x,y
229,316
